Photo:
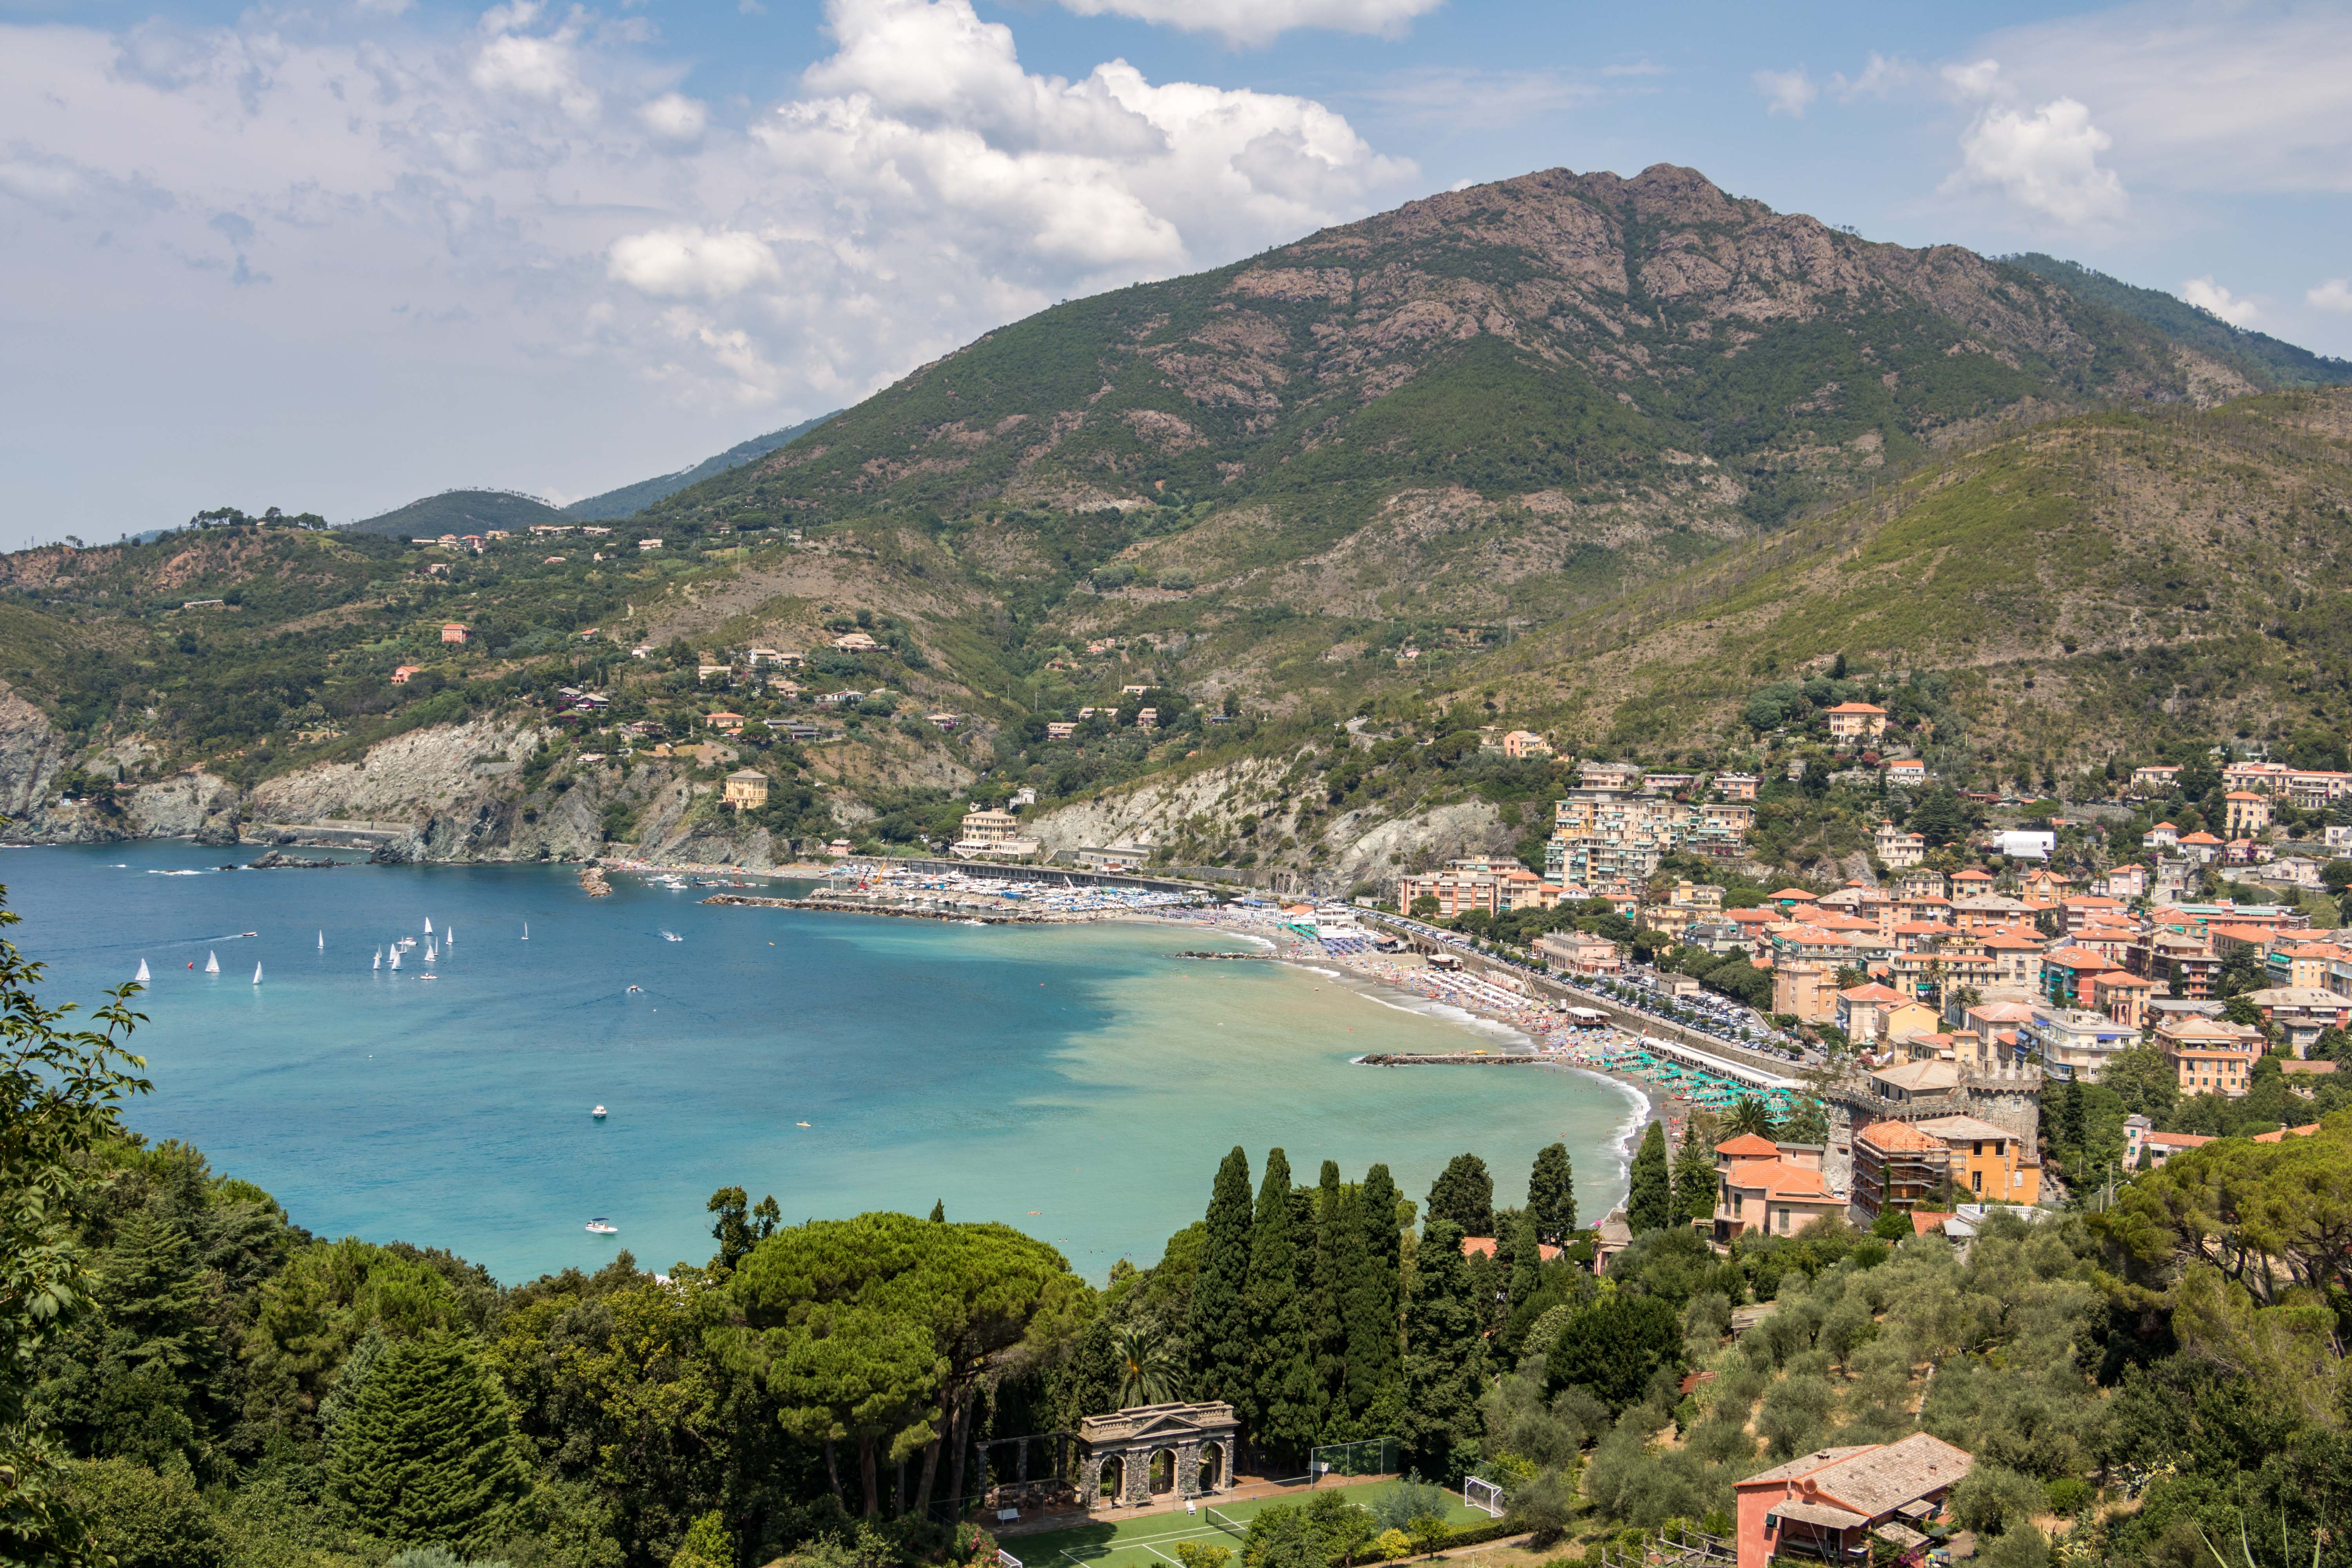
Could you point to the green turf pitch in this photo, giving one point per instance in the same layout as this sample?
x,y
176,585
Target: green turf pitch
x,y
1149,1541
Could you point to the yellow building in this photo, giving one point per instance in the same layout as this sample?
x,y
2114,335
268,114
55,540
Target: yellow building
x,y
747,789
1991,1163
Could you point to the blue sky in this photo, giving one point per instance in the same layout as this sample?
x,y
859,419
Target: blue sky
x,y
334,257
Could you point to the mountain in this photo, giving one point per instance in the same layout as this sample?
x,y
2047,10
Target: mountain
x,y
630,500
2265,361
460,513
1627,360
1630,462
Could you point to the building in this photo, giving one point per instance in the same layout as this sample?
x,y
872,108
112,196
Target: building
x,y
2302,1013
1578,953
649,544
1521,743
1457,890
991,833
1897,1168
1861,1008
1763,1188
1909,771
1993,1163
1115,858
1830,1504
1856,721
747,789
401,673
1805,988
2122,997
2073,1044
856,642
2244,812
1899,850
454,632
1736,787
1606,831
2209,1057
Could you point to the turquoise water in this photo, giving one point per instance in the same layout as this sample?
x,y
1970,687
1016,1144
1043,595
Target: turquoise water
x,y
1075,1081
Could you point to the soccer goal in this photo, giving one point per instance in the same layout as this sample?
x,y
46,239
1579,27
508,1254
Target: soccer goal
x,y
1483,1495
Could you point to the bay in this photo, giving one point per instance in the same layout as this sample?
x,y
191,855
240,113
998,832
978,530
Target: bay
x,y
1076,1081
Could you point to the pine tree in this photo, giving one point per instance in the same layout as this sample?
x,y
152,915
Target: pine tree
x,y
1219,1323
428,1455
1551,1194
1649,1200
1465,1194
1326,1298
1281,1382
1445,1353
1373,1307
1694,1177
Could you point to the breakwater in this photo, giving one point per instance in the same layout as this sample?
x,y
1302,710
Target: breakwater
x,y
1449,1058
898,911
1253,957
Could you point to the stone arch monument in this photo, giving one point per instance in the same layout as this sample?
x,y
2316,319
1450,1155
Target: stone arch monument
x,y
1133,1436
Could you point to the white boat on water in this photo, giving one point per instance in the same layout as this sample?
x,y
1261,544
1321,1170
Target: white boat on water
x,y
525,931
428,925
395,957
431,953
672,936
598,1113
600,1226
256,975
211,961
142,975
450,936
379,960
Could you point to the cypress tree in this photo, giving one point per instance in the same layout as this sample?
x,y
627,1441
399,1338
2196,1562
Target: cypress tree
x,y
1281,1384
1527,1261
1465,1194
1372,1320
1694,1177
1551,1194
1445,1351
426,1455
1220,1328
1649,1200
1327,1301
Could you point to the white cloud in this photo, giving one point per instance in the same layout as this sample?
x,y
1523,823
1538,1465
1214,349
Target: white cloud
x,y
2207,295
1879,78
2045,159
2336,294
674,117
1247,23
679,263
2215,99
1788,92
467,210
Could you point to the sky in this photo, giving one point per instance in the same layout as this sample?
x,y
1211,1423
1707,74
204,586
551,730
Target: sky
x,y
334,257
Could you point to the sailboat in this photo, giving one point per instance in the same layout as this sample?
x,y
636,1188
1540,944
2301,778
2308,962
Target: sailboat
x,y
323,941
450,936
428,925
431,954
395,957
211,961
525,931
142,976
256,975
379,960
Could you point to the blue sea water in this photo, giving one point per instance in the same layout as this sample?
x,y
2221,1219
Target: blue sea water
x,y
1076,1081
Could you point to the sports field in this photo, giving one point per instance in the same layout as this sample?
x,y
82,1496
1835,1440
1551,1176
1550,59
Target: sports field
x,y
1150,1541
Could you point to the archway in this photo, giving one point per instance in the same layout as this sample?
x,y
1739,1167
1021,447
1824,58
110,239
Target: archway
x,y
1213,1466
1114,1479
1163,1470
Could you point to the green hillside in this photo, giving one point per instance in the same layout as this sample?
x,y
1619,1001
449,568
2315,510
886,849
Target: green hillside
x,y
460,513
630,500
2265,361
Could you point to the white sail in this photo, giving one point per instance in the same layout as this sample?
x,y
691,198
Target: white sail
x,y
428,925
432,953
323,941
525,931
450,936
395,957
379,959
256,975
211,961
142,975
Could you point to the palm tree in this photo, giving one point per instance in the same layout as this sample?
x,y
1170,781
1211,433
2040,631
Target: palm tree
x,y
1747,1115
1147,1374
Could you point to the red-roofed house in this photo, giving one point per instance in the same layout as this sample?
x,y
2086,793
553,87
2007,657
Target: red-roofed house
x,y
1484,1247
2201,848
1895,1167
2067,972
1860,1009
1856,721
1763,1188
1826,1504
2246,813
2283,1133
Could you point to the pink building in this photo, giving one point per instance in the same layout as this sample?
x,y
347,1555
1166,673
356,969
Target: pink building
x,y
1827,1503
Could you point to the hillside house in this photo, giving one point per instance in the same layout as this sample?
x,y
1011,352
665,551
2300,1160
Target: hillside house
x,y
746,789
454,632
856,642
1521,743
1829,1504
1763,1188
1851,721
1897,849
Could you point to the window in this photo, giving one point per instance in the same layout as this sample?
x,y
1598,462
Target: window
x,y
1976,1181
1784,1219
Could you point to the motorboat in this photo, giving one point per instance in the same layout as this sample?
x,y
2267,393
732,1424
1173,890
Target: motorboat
x,y
598,1113
600,1226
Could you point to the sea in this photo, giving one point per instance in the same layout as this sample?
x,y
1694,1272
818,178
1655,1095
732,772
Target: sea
x,y
1081,1082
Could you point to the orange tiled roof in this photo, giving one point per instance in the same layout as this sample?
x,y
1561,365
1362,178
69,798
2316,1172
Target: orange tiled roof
x,y
2281,1135
1891,1136
1748,1145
